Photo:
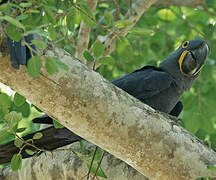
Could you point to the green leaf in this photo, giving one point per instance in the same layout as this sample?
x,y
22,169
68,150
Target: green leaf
x,y
16,162
50,15
88,56
12,118
38,135
1,115
98,156
210,3
212,167
73,18
108,17
96,161
140,31
34,19
22,17
5,102
24,109
59,64
36,108
52,2
98,49
106,60
19,130
87,15
29,152
52,32
40,44
34,66
124,49
12,21
4,133
51,66
166,14
13,32
18,142
25,4
19,100
82,146
57,124
122,23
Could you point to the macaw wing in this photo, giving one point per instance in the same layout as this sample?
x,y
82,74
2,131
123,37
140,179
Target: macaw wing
x,y
145,82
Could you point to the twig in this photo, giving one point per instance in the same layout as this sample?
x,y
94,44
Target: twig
x,y
131,9
99,165
117,10
207,10
92,162
186,21
139,8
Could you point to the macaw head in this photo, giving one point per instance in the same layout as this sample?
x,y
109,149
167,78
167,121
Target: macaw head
x,y
186,62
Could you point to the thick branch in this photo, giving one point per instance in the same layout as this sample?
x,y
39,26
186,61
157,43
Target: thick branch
x,y
63,164
83,101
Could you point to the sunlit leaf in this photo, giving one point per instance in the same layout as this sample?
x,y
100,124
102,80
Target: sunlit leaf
x,y
12,21
12,118
122,23
88,56
16,162
40,44
18,142
98,49
34,66
4,102
57,124
212,167
50,15
13,32
51,66
29,152
106,60
19,100
38,135
166,14
87,15
25,4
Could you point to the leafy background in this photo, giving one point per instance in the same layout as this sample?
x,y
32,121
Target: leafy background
x,y
159,32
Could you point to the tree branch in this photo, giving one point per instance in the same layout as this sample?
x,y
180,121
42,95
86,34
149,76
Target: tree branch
x,y
84,34
93,108
138,9
63,164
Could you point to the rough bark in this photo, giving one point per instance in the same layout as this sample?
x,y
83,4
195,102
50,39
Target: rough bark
x,y
93,108
63,164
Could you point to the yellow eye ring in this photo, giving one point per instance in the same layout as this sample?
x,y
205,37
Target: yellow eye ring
x,y
185,44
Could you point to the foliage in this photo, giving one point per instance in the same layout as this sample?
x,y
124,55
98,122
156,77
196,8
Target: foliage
x,y
159,31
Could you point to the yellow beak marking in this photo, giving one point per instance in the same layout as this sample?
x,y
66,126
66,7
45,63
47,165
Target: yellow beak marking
x,y
181,59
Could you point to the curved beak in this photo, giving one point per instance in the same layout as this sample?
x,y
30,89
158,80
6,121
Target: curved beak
x,y
200,56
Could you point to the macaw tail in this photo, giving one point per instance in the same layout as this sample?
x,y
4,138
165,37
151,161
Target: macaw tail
x,y
52,139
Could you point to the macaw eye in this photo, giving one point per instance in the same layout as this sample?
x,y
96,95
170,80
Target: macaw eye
x,y
185,44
